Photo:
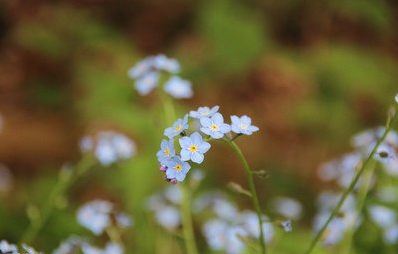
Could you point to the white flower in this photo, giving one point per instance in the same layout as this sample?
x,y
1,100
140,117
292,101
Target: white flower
x,y
382,216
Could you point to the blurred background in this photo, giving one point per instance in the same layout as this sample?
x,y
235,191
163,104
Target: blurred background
x,y
309,73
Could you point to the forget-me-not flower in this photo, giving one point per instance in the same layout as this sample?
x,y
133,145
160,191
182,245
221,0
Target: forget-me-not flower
x,y
214,126
178,88
6,247
178,127
166,152
204,112
169,217
145,84
177,169
193,148
243,125
95,216
161,62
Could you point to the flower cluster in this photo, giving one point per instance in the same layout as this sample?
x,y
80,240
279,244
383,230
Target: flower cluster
x,y
108,147
74,245
174,160
343,170
8,248
147,75
97,215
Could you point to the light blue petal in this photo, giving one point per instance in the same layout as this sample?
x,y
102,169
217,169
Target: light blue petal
x,y
164,144
235,120
205,121
185,155
217,135
217,118
197,157
180,176
246,120
236,129
225,128
214,110
206,130
196,138
204,147
185,142
253,128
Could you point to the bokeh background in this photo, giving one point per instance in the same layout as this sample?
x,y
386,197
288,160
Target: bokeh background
x,y
309,73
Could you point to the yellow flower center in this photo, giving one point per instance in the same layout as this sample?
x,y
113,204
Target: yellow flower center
x,y
178,167
205,113
243,126
167,152
214,127
193,148
178,128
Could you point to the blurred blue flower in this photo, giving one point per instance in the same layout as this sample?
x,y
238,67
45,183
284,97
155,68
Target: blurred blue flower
x,y
177,169
109,147
6,247
69,245
178,88
110,248
391,234
178,127
193,148
214,126
141,68
145,84
29,249
288,207
153,63
204,112
382,216
95,216
396,98
166,152
243,125
161,62
168,217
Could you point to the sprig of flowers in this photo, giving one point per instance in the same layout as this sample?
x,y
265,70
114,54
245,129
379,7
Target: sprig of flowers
x,y
148,72
175,160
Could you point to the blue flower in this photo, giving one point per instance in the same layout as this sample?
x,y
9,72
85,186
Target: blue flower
x,y
178,88
204,112
146,83
6,247
166,152
177,169
214,126
396,98
243,125
161,62
178,127
193,148
95,216
141,68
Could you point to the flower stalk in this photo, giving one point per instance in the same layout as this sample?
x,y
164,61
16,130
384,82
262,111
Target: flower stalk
x,y
252,190
350,188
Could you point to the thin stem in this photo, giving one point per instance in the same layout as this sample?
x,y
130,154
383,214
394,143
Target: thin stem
x,y
66,179
362,194
252,189
354,181
189,237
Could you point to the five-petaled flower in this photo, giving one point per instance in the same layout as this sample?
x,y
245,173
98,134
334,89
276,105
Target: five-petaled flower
x,y
214,126
177,169
204,112
178,127
243,125
166,152
193,148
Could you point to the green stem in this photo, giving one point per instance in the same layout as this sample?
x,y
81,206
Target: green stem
x,y
189,237
252,189
354,181
66,179
362,194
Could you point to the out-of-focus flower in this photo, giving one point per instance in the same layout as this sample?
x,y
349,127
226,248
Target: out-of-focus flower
x,y
168,217
96,216
250,222
108,146
214,126
69,246
178,88
193,148
145,84
154,63
6,247
224,209
335,230
391,234
110,248
178,127
288,207
6,179
243,125
166,152
382,216
177,169
173,194
287,225
204,112
30,249
396,98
